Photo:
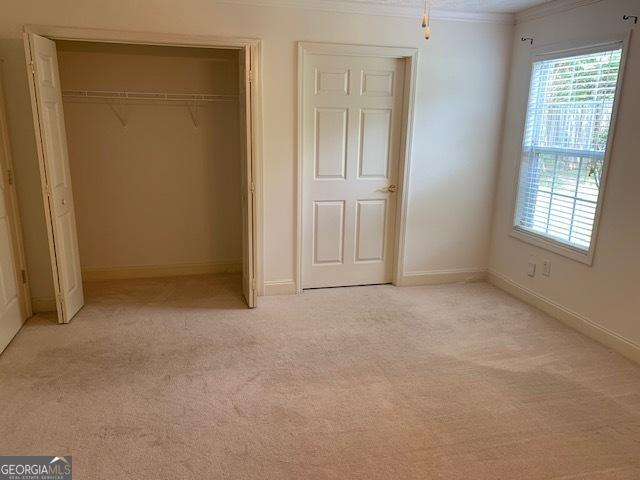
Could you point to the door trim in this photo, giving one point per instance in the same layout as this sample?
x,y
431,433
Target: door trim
x,y
410,56
194,41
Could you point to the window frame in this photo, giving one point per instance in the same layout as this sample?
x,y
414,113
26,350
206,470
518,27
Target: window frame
x,y
550,52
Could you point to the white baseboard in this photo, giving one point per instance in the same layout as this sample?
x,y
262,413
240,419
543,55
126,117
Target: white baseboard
x,y
288,287
42,305
434,277
576,321
150,271
279,287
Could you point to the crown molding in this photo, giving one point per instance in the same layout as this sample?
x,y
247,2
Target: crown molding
x,y
378,9
551,8
477,17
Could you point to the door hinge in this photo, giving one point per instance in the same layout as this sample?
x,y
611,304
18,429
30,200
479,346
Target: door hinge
x,y
250,76
9,177
32,67
253,187
60,298
24,276
253,284
47,189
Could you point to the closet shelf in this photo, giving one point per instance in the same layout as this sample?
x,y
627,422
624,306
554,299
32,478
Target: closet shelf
x,y
172,97
120,108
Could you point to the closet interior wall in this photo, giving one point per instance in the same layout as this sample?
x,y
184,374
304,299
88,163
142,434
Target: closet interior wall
x,y
156,182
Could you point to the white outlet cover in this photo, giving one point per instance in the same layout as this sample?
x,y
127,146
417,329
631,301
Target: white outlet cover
x,y
532,269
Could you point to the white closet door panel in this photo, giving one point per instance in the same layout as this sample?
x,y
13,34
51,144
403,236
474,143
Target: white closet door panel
x,y
11,317
12,308
248,191
58,192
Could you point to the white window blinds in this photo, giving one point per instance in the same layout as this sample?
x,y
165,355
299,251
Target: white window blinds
x,y
569,113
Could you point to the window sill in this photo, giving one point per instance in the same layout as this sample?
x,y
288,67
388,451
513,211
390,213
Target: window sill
x,y
553,246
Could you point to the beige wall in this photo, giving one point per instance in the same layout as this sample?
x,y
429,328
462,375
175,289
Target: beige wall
x,y
460,91
607,293
159,191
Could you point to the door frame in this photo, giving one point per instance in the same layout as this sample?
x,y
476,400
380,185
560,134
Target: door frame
x,y
250,45
410,57
8,176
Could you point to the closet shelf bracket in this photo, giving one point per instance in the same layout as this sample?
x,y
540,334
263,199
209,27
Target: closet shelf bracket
x,y
120,112
193,112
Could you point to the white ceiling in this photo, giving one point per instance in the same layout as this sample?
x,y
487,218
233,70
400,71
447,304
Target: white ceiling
x,y
493,6
481,10
484,6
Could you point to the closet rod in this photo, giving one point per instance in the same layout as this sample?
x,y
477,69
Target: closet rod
x,y
179,97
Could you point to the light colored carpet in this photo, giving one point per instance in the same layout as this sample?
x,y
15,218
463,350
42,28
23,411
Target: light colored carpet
x,y
174,378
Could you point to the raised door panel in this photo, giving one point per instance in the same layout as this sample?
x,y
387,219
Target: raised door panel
x,y
375,132
55,144
47,70
371,218
332,82
331,143
69,261
377,83
328,232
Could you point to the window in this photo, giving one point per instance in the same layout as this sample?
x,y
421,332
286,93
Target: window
x,y
570,107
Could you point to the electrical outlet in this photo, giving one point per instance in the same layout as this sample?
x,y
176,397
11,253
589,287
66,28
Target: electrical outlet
x,y
532,269
546,268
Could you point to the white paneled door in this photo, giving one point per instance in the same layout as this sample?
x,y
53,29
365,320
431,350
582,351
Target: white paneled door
x,y
351,133
56,177
11,315
247,168
12,309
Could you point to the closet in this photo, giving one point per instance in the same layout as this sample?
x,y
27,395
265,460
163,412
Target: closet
x,y
156,150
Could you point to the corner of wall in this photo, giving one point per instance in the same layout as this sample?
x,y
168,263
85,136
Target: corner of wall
x,y
501,150
570,318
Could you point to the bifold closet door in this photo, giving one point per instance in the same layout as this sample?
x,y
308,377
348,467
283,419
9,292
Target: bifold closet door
x,y
55,175
11,316
12,313
248,189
